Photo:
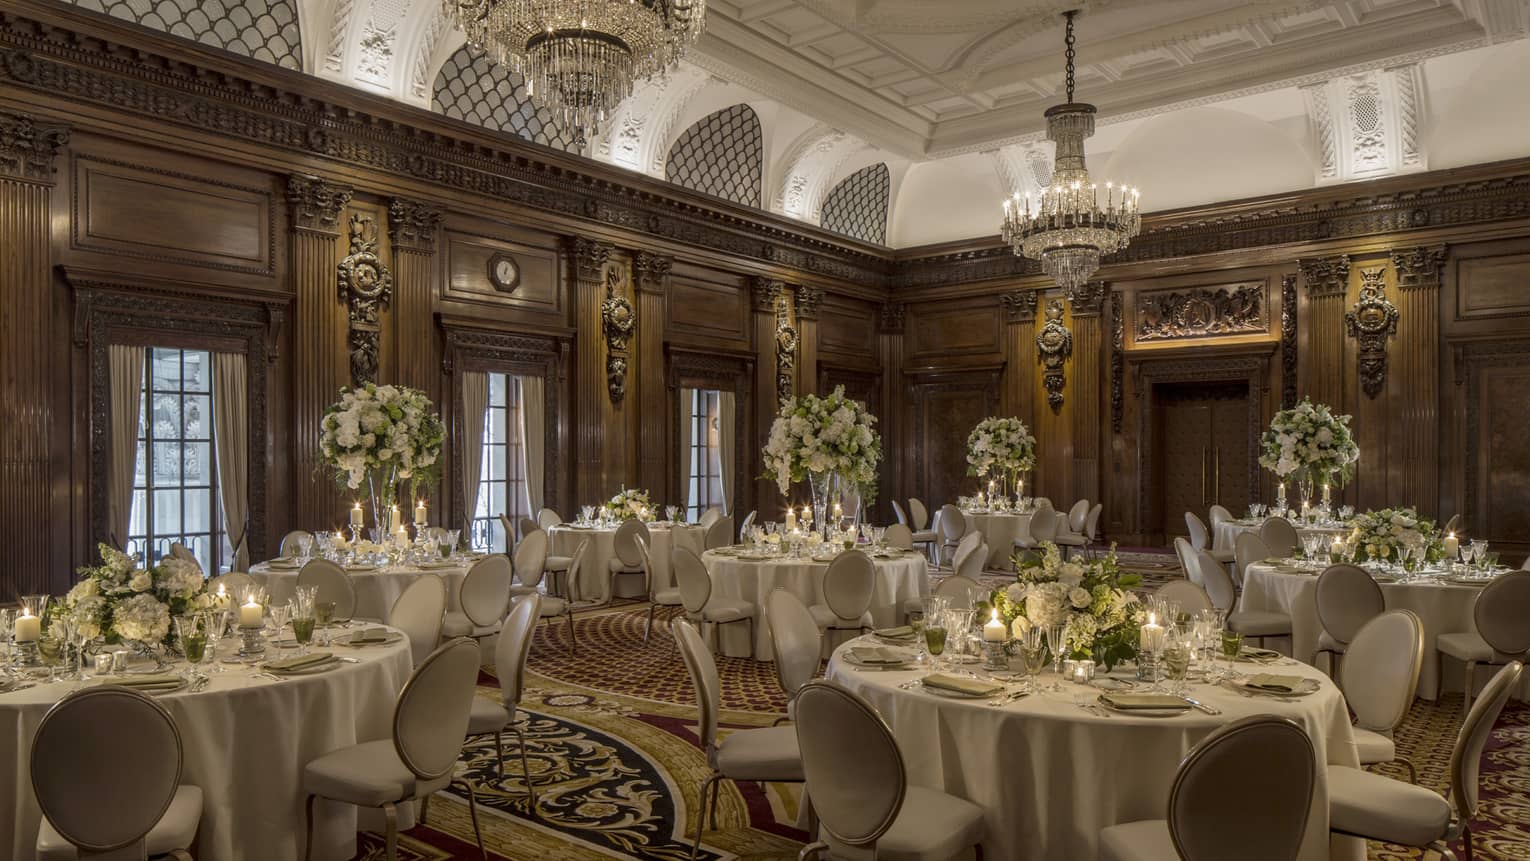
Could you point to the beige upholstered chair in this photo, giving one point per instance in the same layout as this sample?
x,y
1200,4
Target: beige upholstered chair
x,y
963,591
709,517
333,584
1219,586
701,606
1248,549
1074,530
179,551
552,606
1187,595
900,536
1201,539
530,563
289,545
796,641
625,558
1502,614
495,716
1184,551
1380,677
952,527
743,528
1211,815
418,613
1279,536
509,529
528,526
1347,598
1042,529
1218,514
919,523
970,556
768,754
720,533
485,598
898,513
231,582
860,789
847,589
668,597
1376,807
430,720
547,518
106,772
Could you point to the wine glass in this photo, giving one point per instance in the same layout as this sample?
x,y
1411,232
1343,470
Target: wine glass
x,y
1056,643
304,547
1176,658
216,621
7,629
1232,646
304,616
1034,654
278,619
935,636
192,631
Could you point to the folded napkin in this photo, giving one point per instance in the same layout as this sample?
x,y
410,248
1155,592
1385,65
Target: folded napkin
x,y
1128,701
1275,684
1259,656
369,635
877,655
961,685
905,632
300,663
150,683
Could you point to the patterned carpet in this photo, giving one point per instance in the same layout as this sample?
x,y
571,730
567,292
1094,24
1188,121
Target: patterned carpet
x,y
614,752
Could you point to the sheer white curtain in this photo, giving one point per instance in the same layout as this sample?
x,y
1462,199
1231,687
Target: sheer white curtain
x,y
687,429
475,406
534,440
125,368
726,441
232,436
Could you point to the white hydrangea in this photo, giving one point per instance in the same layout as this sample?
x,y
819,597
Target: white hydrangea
x,y
142,618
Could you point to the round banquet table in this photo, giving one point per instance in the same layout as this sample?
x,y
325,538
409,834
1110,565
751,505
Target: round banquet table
x,y
376,588
1225,534
1051,775
898,579
1000,531
595,571
246,741
1444,608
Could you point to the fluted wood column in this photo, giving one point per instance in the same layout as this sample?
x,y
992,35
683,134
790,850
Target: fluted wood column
x,y
412,228
893,424
587,262
1321,366
319,359
1086,382
1414,379
807,299
28,512
1017,396
765,295
651,278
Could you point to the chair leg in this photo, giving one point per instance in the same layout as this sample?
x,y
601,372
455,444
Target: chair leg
x,y
712,814
390,813
499,746
701,812
1471,672
573,644
649,630
473,811
531,788
1412,769
424,808
308,828
1466,842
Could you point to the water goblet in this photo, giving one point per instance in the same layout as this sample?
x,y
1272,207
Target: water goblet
x,y
672,512
1176,659
1034,655
303,618
279,614
192,631
935,638
216,621
1232,646
1346,512
1056,644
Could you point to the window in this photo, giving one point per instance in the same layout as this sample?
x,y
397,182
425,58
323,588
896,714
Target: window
x,y
705,455
502,477
175,480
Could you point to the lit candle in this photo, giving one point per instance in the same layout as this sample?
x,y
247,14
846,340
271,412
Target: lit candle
x,y
393,517
1452,547
1151,636
222,597
838,512
807,515
791,520
339,537
1336,548
420,518
1083,671
28,629
995,631
250,614
356,519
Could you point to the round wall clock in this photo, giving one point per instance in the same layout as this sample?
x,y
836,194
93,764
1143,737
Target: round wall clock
x,y
504,272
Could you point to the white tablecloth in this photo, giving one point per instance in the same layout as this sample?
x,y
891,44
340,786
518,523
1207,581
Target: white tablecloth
x,y
594,574
246,741
753,580
376,590
1000,531
1225,534
1051,775
1444,608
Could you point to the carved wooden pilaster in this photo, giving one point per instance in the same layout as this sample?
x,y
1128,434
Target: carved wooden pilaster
x,y
787,343
1054,346
1088,299
1372,321
1016,398
890,319
651,275
1020,305
1117,361
807,301
1088,348
1321,345
314,208
1417,425
1287,341
412,231
28,151
587,261
892,422
765,294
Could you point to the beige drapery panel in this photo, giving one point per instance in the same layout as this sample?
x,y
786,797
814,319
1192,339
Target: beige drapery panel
x,y
727,441
475,408
231,435
687,467
534,441
125,370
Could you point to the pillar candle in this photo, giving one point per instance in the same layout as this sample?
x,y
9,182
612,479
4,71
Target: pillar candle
x,y
250,615
1336,548
393,520
356,519
995,630
420,518
791,520
1452,547
28,629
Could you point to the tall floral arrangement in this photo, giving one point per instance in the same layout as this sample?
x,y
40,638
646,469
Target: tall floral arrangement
x,y
382,435
1309,437
1382,535
123,602
1000,445
1092,600
828,434
629,503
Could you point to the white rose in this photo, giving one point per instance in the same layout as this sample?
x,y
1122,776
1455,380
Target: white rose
x,y
141,581
1079,597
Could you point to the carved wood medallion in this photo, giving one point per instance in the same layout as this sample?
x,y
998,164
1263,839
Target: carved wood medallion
x,y
619,319
1202,312
786,351
1055,344
1372,321
366,286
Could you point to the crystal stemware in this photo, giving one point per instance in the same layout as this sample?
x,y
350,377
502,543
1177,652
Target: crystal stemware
x,y
304,614
1034,654
7,630
278,618
1176,658
1056,644
216,621
191,629
1232,646
935,637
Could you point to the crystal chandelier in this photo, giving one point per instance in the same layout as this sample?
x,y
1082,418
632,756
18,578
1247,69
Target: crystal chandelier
x,y
1066,227
580,58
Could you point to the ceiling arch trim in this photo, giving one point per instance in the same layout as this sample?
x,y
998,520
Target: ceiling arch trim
x,y
266,30
808,167
721,154
638,134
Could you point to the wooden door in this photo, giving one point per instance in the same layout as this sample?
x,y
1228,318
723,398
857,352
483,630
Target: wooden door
x,y
1202,457
1183,457
1229,454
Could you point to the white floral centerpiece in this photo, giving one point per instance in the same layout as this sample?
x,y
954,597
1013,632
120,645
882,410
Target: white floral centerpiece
x,y
1000,446
629,504
1092,599
126,603
382,435
1312,438
1383,535
814,437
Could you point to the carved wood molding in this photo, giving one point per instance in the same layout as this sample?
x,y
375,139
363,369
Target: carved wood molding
x,y
412,226
1020,305
1054,345
807,301
1419,268
786,352
1288,341
765,293
890,318
650,271
1088,299
1372,321
1325,276
1471,358
619,320
315,204
366,286
1202,312
1117,361
28,148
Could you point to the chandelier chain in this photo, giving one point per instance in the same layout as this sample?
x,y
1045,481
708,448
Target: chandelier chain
x,y
1069,41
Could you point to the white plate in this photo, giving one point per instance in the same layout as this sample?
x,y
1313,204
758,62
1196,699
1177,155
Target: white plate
x,y
360,569
897,641
1308,687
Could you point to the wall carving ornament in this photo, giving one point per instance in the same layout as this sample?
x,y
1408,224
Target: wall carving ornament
x,y
619,319
366,286
1117,361
1088,299
28,148
786,350
1020,305
1325,276
1202,312
808,300
315,204
1419,268
891,317
1287,341
1054,344
1372,321
412,226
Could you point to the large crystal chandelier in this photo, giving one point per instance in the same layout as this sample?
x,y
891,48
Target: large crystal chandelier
x,y
580,58
1071,223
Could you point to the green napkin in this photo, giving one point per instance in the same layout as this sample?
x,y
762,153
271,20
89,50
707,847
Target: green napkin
x,y
301,662
1258,656
150,683
1129,701
368,635
961,685
877,655
905,632
1275,684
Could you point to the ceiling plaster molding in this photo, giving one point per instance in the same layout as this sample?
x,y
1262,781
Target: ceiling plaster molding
x,y
421,74
1023,168
1367,125
810,164
638,133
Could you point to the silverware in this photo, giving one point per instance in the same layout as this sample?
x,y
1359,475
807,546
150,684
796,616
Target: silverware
x,y
272,676
1009,698
344,659
1201,707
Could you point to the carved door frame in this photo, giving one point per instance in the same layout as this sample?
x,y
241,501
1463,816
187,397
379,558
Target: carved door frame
x,y
982,381
695,369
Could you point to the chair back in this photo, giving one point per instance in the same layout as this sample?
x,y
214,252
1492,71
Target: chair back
x,y
1200,539
1210,817
1092,524
1078,515
105,763
1248,548
848,584
796,640
691,578
898,513
485,594
576,562
179,551
1466,756
231,582
963,561
1213,577
963,591
1184,551
624,542
720,533
1347,599
900,536
1380,669
547,518
289,545
709,517
1218,514
418,614
531,559
953,524
918,514
1503,614
509,528
1189,596
854,770
1044,523
1279,536
647,563
743,528
333,584
703,669
1042,503
431,716
528,526
514,647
